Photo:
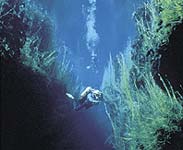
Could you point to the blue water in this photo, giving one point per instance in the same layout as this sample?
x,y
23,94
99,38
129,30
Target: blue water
x,y
113,23
114,27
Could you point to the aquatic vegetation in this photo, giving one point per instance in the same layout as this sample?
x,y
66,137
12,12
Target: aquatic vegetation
x,y
38,61
138,114
27,38
141,113
154,22
23,27
64,72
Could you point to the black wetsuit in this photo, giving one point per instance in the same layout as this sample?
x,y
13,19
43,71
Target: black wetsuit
x,y
86,102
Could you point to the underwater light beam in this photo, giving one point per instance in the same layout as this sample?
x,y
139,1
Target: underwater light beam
x,y
92,36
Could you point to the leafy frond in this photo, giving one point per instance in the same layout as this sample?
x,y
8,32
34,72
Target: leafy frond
x,y
137,114
155,22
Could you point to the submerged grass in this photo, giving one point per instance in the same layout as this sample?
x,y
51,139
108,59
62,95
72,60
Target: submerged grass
x,y
141,113
38,61
27,38
154,22
23,26
138,114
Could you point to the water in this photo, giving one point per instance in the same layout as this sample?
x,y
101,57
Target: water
x,y
113,24
92,30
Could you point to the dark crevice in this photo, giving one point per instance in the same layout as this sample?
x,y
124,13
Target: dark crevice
x,y
171,62
35,114
171,70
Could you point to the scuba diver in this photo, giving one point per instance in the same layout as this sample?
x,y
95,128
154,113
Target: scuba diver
x,y
88,98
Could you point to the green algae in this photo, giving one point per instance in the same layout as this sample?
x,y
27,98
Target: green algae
x,y
27,38
136,114
137,107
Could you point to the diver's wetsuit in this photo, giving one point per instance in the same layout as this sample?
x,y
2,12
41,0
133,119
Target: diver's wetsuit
x,y
86,102
88,98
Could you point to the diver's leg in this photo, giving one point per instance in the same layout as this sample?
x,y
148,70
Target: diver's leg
x,y
75,104
79,106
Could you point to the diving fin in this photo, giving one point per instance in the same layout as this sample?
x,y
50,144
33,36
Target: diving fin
x,y
69,96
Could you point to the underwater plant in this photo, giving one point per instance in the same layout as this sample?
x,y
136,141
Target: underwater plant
x,y
27,38
143,114
64,72
155,21
137,114
23,30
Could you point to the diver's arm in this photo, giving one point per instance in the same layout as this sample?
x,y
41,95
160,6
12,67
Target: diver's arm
x,y
86,92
